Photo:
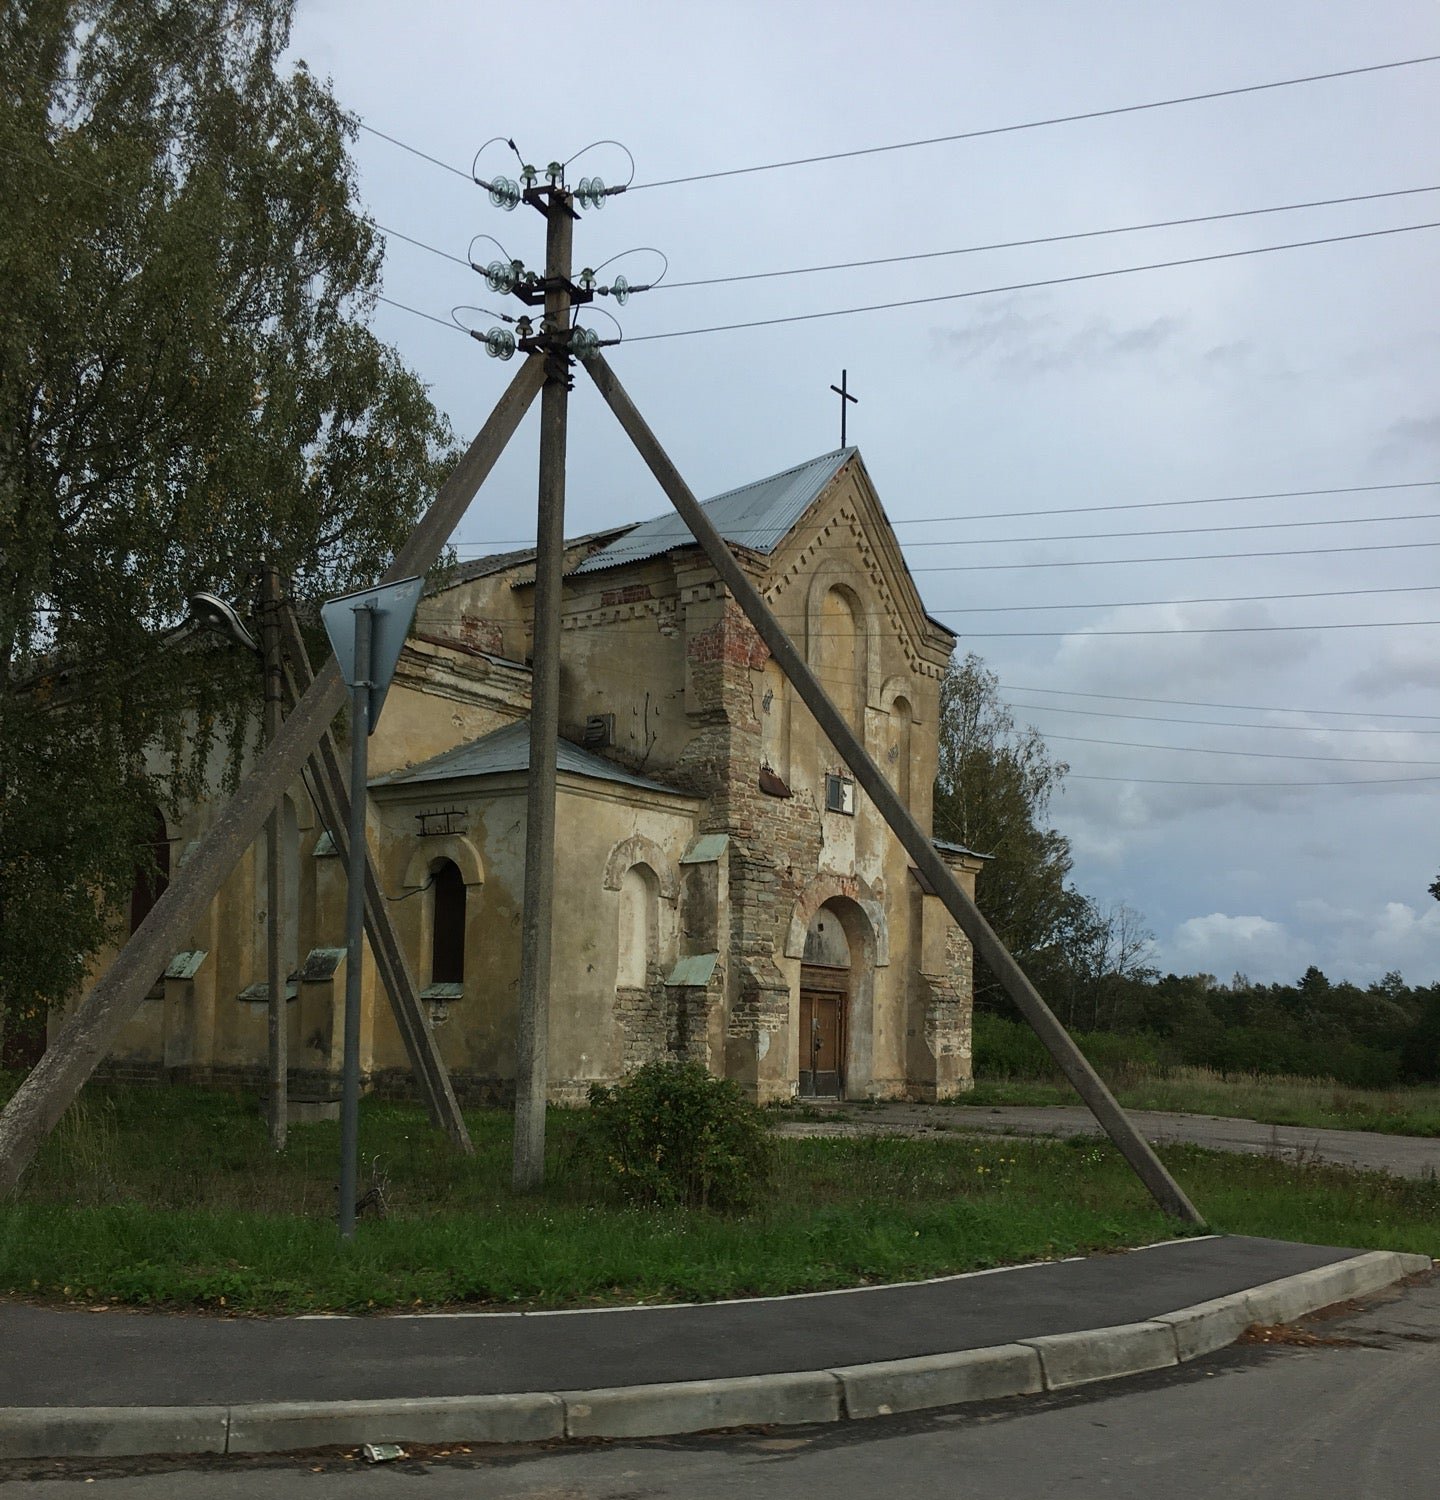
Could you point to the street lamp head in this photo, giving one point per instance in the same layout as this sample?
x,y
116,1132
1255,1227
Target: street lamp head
x,y
214,613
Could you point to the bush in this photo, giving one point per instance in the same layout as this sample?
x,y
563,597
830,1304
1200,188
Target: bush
x,y
673,1136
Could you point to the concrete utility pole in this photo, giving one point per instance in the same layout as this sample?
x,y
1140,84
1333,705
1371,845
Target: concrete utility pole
x,y
532,1039
355,913
1090,1086
275,976
48,1089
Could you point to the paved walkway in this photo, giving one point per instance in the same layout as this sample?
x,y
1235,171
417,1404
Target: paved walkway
x,y
70,1358
1404,1155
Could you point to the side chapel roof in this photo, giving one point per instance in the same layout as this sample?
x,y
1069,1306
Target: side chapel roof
x,y
507,750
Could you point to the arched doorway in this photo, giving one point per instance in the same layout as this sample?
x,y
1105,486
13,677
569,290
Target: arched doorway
x,y
825,984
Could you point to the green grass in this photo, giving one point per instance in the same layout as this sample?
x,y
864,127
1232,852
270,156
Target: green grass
x,y
1273,1099
173,1199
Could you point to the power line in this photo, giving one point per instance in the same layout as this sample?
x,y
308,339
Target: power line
x,y
991,635
1007,609
1097,713
1349,760
395,234
1061,510
1110,536
1249,708
970,135
1279,786
1104,562
1098,536
987,635
429,317
1012,515
1012,609
1048,239
415,151
1025,286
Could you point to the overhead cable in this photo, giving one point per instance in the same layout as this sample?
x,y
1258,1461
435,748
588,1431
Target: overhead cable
x,y
1025,286
1249,708
1106,562
1278,786
1082,630
1092,114
1111,536
1349,760
1048,239
415,151
1100,713
1078,510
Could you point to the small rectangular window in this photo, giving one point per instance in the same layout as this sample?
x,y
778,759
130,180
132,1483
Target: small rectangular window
x,y
840,795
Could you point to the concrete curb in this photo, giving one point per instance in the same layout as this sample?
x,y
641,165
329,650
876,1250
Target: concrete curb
x,y
1048,1363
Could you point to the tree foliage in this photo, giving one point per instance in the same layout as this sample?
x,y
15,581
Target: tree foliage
x,y
187,386
993,792
994,786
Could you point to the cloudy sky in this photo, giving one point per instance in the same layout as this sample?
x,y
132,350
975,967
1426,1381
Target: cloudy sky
x,y
1063,463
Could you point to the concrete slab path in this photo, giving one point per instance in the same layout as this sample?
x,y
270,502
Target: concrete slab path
x,y
1402,1155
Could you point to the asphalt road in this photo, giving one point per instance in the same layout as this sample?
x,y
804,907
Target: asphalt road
x,y
1348,1418
1404,1155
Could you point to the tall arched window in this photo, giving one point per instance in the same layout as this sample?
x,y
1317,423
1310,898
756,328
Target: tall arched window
x,y
898,749
839,652
639,897
289,893
152,870
447,933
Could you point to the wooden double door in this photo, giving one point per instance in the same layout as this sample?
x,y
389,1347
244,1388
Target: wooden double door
x,y
822,1034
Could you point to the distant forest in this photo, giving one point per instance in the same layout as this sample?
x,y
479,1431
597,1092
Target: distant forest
x,y
1375,1037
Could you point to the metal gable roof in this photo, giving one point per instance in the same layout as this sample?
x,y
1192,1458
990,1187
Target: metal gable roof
x,y
757,515
508,750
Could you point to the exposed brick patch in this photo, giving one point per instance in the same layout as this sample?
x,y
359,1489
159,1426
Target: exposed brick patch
x,y
732,638
645,1025
632,593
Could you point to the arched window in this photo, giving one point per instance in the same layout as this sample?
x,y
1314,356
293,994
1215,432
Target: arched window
x,y
839,652
898,747
289,894
639,895
447,933
152,870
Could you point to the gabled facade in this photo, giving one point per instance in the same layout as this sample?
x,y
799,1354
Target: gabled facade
x,y
724,892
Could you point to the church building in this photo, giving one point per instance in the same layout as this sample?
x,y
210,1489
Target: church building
x,y
723,890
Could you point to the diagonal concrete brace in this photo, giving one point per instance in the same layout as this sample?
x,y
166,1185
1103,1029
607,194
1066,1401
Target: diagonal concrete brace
x,y
1058,1042
332,800
51,1085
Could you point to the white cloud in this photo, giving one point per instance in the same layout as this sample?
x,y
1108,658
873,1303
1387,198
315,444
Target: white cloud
x,y
1346,941
1223,945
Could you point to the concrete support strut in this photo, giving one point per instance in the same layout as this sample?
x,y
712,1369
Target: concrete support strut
x,y
332,801
74,1055
1057,1041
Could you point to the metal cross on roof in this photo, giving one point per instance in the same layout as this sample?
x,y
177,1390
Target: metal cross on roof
x,y
845,400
